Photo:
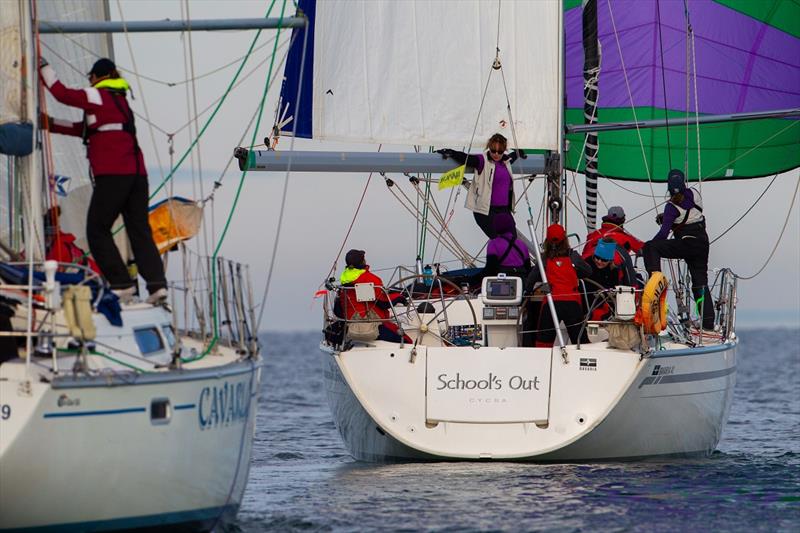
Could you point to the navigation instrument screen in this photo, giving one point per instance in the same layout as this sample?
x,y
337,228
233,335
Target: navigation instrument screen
x,y
501,289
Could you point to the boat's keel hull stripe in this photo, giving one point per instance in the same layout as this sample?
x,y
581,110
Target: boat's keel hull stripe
x,y
686,378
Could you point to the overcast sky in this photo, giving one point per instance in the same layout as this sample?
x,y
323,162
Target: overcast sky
x,y
320,207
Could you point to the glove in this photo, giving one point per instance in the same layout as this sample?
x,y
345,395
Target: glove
x,y
545,288
42,62
44,121
660,218
445,152
521,154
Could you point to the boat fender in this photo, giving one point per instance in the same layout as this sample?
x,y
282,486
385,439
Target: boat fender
x,y
654,304
78,312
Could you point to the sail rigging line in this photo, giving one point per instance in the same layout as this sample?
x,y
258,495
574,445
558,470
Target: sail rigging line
x,y
696,112
140,87
691,74
220,102
252,71
461,252
218,181
158,128
47,146
88,50
663,79
284,194
39,100
453,247
760,196
777,242
198,152
630,99
214,317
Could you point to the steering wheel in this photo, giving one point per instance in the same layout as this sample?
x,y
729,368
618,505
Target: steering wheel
x,y
413,316
603,295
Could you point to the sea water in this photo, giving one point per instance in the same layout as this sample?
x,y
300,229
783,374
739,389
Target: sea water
x,y
302,478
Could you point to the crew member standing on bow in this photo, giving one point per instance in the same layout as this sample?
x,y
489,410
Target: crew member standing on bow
x,y
492,189
683,215
119,175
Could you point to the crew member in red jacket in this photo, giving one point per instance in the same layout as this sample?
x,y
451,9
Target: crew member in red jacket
x,y
563,266
612,227
357,271
119,174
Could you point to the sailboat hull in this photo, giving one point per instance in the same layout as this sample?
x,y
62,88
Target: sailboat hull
x,y
675,402
161,449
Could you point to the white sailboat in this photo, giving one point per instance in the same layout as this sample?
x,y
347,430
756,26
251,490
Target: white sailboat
x,y
466,386
111,417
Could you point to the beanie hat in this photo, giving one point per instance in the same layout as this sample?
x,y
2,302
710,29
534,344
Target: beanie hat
x,y
676,182
615,214
555,233
355,258
103,67
605,249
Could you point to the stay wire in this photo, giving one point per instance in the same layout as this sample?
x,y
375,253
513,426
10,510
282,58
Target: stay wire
x,y
214,317
150,78
663,81
760,196
285,192
777,243
630,99
140,87
352,223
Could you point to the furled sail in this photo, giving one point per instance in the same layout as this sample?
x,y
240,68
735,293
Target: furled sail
x,y
72,56
741,56
415,72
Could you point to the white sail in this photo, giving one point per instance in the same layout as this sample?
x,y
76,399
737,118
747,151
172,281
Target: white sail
x,y
10,61
378,65
72,56
11,110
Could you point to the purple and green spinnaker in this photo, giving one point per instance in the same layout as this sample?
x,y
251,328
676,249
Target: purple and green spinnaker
x,y
747,56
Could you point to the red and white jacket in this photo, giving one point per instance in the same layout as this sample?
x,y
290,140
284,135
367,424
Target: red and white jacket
x,y
111,150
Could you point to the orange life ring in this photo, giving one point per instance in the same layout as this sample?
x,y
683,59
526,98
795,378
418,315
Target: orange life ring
x,y
654,304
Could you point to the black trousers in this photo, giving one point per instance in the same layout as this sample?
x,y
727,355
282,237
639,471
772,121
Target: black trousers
x,y
570,313
126,196
693,250
486,222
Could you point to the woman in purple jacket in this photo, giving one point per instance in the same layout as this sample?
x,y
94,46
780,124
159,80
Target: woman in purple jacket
x,y
492,190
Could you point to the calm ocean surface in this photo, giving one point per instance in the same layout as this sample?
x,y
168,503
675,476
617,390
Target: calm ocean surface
x,y
302,478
